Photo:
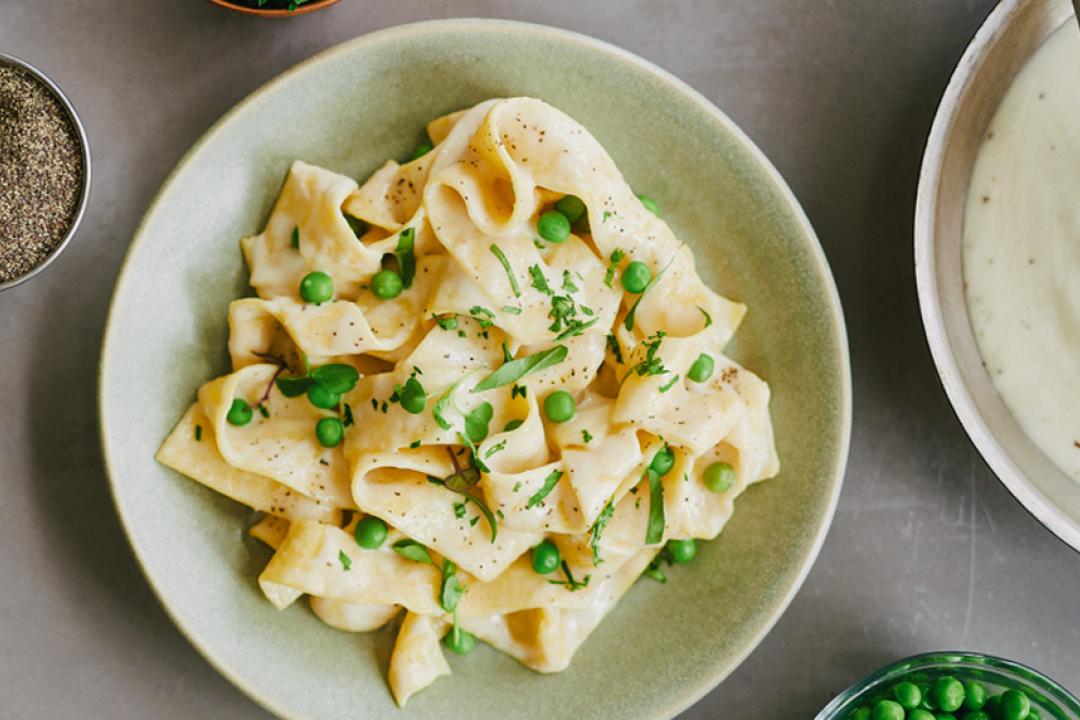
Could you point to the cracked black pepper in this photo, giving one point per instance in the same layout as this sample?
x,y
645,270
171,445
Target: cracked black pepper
x,y
41,172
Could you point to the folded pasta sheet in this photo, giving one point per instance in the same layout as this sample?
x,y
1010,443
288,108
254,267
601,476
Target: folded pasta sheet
x,y
484,389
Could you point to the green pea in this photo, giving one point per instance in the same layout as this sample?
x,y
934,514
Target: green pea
x,y
545,558
682,551
1015,705
976,715
572,207
908,695
920,714
948,693
862,713
386,285
317,287
974,695
330,432
553,226
421,150
559,406
944,716
459,641
993,705
702,369
636,276
649,204
719,477
1034,715
239,413
887,710
663,461
370,533
322,398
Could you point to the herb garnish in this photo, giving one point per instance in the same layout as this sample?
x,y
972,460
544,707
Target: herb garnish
x,y
415,444
651,365
483,317
598,526
412,550
616,257
613,343
667,386
198,433
549,484
461,481
586,436
516,369
708,317
296,237
498,253
459,510
628,323
511,309
346,561
654,532
348,414
405,257
476,421
571,584
496,448
539,281
411,395
446,322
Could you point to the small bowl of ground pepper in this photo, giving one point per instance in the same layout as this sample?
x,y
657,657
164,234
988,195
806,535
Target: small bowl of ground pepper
x,y
954,686
44,171
275,8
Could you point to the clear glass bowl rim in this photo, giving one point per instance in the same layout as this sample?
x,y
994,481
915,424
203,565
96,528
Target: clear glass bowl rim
x,y
1053,690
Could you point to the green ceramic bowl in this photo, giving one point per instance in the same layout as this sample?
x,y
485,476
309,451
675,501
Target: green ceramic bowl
x,y
349,109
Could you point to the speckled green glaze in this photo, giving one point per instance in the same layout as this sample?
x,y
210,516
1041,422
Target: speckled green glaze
x,y
349,109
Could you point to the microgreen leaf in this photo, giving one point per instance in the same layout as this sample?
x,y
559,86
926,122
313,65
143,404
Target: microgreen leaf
x,y
292,386
412,550
446,322
338,378
451,592
515,370
476,422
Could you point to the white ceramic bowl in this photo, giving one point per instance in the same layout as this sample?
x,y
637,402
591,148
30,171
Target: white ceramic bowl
x,y
1009,37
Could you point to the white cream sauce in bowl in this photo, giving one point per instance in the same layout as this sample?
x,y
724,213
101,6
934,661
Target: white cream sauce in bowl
x,y
1021,249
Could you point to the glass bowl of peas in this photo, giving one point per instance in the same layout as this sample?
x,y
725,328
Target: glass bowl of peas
x,y
954,686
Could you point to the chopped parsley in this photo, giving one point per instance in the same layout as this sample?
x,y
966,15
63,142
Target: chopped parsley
x,y
568,282
629,321
446,322
198,433
667,386
511,309
263,411
405,257
519,390
598,526
496,448
346,561
348,414
501,257
613,343
607,214
459,510
539,281
586,436
654,531
708,317
483,317
549,484
414,444
650,365
296,237
616,257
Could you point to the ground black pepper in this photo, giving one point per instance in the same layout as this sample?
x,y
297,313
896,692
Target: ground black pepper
x,y
41,172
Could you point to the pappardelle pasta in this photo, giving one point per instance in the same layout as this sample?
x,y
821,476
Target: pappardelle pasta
x,y
485,389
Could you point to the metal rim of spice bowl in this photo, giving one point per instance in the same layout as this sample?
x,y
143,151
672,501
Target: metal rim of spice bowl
x,y
84,146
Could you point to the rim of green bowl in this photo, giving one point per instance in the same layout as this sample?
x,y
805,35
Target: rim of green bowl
x,y
692,693
1050,695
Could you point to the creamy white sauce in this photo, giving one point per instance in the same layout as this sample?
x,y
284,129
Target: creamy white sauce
x,y
1022,249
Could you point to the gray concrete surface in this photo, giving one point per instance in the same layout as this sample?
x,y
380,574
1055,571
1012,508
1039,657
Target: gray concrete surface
x,y
928,550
